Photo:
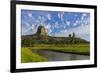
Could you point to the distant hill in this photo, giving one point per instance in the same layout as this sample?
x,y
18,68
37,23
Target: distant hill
x,y
41,37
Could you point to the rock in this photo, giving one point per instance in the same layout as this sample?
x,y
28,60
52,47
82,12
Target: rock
x,y
41,32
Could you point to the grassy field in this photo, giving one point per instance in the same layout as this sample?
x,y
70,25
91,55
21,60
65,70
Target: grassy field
x,y
75,48
29,56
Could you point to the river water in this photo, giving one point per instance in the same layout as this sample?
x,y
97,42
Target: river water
x,y
59,56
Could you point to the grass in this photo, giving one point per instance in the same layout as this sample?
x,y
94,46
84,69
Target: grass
x,y
75,48
28,56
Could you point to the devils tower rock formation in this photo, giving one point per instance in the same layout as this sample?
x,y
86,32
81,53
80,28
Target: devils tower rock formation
x,y
41,32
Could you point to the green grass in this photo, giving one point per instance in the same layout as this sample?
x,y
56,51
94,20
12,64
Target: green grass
x,y
75,48
28,56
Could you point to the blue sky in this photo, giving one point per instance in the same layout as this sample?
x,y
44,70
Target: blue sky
x,y
57,23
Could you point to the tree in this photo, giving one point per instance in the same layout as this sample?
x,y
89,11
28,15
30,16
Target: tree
x,y
69,35
73,38
73,35
70,39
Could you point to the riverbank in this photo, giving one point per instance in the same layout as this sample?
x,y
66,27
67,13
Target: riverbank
x,y
83,49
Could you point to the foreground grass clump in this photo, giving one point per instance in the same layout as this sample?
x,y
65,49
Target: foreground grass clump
x,y
28,56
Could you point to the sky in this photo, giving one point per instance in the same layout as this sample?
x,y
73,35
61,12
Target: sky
x,y
56,23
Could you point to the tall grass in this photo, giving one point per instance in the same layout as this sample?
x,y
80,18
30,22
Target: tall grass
x,y
28,56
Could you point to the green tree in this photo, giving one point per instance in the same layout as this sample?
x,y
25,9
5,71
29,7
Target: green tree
x,y
70,39
73,35
73,38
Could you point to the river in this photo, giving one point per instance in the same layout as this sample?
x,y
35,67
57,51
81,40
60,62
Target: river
x,y
60,56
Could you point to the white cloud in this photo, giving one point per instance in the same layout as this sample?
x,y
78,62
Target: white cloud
x,y
48,26
30,15
25,30
67,23
64,31
62,16
43,19
81,31
77,21
25,23
28,28
64,26
56,25
49,16
75,24
33,27
59,15
83,16
76,15
83,21
50,31
39,17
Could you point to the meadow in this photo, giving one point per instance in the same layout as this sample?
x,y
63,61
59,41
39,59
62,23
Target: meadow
x,y
27,54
